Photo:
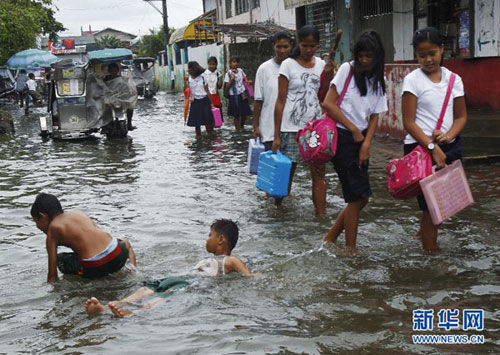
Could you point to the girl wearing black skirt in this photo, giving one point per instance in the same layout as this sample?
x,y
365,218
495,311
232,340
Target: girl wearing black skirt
x,y
234,90
200,111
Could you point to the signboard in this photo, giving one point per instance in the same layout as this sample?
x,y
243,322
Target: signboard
x,y
291,4
65,46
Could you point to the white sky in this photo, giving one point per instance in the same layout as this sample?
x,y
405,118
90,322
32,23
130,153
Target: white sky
x,y
132,16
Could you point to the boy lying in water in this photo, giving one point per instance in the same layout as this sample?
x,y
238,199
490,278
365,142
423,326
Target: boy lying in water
x,y
95,252
221,241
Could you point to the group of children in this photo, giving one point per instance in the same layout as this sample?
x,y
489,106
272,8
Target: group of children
x,y
286,98
95,253
204,86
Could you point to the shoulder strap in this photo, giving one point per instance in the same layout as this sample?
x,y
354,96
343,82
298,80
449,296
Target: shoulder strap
x,y
451,82
346,85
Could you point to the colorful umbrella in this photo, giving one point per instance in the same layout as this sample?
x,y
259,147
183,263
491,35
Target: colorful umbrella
x,y
31,58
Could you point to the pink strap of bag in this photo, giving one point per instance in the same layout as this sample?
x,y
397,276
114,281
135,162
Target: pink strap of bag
x,y
403,174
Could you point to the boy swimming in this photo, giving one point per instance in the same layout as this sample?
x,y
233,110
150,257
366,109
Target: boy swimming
x,y
95,252
221,241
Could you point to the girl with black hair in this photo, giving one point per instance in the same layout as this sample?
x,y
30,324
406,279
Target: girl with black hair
x,y
424,90
356,120
297,104
234,89
200,112
214,78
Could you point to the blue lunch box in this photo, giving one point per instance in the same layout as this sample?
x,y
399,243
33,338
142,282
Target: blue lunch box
x,y
274,173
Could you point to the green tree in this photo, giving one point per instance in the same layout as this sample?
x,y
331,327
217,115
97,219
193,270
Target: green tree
x,y
108,42
154,42
22,21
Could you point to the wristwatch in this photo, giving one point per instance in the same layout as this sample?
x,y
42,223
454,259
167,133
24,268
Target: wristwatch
x,y
430,146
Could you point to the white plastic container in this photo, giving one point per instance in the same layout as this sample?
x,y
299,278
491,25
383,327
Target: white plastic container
x,y
255,147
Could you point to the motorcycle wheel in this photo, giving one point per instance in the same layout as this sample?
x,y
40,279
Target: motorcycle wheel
x,y
116,129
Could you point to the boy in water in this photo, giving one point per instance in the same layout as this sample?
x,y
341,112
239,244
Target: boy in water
x,y
95,252
221,241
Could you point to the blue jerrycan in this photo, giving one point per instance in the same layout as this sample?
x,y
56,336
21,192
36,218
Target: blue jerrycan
x,y
255,147
274,173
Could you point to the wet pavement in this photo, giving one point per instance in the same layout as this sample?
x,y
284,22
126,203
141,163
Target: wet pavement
x,y
161,189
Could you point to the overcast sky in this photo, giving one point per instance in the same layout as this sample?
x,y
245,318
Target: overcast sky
x,y
132,16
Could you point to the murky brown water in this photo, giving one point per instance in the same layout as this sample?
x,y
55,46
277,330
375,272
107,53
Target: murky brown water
x,y
162,189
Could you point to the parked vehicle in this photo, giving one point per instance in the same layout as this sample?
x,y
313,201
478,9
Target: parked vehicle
x,y
82,101
7,83
143,70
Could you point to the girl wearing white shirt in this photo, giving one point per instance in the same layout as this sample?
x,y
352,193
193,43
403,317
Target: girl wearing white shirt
x,y
356,119
200,112
213,78
234,89
424,90
297,104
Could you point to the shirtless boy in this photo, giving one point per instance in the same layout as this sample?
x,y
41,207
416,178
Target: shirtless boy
x,y
221,241
95,252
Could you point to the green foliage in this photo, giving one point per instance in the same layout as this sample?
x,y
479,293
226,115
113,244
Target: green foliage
x,y
22,21
154,42
108,42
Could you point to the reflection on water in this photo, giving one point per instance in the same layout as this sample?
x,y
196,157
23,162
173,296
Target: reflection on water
x,y
161,188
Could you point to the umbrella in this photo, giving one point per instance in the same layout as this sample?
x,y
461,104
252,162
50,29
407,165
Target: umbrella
x,y
31,57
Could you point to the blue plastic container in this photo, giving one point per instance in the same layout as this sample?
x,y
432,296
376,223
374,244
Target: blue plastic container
x,y
255,147
274,173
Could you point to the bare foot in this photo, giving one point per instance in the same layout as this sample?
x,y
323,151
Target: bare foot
x,y
117,311
93,306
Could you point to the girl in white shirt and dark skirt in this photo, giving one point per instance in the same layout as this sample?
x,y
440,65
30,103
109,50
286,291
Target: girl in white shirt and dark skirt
x,y
424,90
234,89
357,119
200,111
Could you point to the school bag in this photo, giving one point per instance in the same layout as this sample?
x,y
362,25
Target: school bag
x,y
403,174
318,139
248,88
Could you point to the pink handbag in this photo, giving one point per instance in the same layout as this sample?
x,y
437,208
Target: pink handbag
x,y
318,139
248,87
446,192
403,174
217,117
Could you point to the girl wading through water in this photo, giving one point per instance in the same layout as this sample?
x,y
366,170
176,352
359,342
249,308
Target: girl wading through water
x,y
357,119
297,104
424,90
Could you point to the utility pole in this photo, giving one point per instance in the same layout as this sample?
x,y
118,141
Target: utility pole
x,y
165,17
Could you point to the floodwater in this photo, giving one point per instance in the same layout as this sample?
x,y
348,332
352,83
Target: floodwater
x,y
161,189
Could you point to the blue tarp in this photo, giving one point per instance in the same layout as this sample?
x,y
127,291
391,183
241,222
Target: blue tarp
x,y
109,55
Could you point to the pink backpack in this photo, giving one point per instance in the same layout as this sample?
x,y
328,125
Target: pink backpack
x,y
318,139
403,174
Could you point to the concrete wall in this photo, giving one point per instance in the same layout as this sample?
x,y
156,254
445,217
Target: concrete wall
x,y
251,54
199,54
391,122
481,80
402,29
487,28
269,10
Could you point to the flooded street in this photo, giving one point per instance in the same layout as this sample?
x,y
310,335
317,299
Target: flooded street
x,y
161,189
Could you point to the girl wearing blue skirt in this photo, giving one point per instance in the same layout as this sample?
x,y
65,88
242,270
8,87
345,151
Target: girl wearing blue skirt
x,y
234,89
200,111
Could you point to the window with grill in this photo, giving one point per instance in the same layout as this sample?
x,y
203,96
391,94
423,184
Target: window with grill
x,y
375,8
242,6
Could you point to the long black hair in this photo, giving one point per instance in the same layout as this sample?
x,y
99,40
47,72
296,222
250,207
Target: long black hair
x,y
196,69
369,41
302,34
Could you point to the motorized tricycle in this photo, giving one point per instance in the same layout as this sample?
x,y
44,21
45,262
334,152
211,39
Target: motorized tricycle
x,y
143,71
84,99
